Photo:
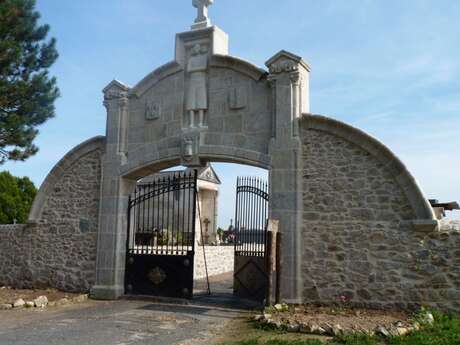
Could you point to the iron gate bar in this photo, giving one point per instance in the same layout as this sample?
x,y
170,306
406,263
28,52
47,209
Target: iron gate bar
x,y
172,229
251,214
160,243
251,256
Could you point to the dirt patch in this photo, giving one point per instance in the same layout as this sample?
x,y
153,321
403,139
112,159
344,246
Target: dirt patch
x,y
241,330
336,320
348,319
9,295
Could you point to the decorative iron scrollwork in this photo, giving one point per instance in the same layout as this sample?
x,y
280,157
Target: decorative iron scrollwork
x,y
156,275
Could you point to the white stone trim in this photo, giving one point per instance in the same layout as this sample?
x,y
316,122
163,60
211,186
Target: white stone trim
x,y
239,65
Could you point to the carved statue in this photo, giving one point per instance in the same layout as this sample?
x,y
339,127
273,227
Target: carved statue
x,y
196,98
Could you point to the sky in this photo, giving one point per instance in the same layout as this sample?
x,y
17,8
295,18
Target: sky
x,y
391,68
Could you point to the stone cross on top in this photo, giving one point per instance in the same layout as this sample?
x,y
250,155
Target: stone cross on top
x,y
202,20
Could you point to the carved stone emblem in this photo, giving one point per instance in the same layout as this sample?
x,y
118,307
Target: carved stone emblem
x,y
115,93
157,276
152,111
188,149
283,66
238,97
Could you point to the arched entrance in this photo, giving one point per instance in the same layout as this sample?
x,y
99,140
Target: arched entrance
x,y
169,240
205,105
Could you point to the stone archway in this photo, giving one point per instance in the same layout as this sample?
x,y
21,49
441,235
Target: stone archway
x,y
127,184
209,106
343,200
204,106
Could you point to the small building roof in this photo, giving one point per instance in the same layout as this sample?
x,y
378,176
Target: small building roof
x,y
205,173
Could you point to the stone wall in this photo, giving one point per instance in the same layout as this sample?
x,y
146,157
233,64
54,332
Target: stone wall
x,y
58,249
220,259
360,237
450,224
15,248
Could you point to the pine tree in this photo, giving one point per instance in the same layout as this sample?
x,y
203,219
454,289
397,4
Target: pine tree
x,y
27,92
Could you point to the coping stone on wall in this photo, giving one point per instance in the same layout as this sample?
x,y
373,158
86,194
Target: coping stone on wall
x,y
12,227
426,220
238,65
155,77
58,170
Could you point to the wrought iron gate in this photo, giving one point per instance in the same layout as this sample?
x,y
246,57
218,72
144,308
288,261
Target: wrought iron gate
x,y
251,274
161,236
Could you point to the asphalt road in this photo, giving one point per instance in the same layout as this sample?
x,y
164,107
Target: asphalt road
x,y
116,323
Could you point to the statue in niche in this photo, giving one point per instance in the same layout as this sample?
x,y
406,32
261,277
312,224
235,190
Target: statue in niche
x,y
197,98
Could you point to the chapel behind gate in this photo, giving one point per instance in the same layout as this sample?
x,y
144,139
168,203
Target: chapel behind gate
x,y
354,221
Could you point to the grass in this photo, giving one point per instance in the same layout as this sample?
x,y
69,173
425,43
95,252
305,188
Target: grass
x,y
278,342
358,339
445,331
244,332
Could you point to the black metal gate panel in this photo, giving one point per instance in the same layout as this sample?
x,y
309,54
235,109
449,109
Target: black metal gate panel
x,y
160,244
251,273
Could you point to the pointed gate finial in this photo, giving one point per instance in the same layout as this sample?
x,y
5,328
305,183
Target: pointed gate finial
x,y
202,20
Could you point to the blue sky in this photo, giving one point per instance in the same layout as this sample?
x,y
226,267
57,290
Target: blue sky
x,y
389,67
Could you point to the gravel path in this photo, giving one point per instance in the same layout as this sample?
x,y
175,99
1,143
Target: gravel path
x,y
118,323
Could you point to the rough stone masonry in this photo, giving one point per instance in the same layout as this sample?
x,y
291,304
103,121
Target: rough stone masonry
x,y
359,240
58,249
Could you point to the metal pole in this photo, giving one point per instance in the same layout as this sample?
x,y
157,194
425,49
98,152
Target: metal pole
x,y
203,245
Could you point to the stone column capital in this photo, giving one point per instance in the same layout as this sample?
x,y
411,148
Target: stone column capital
x,y
272,79
115,95
117,99
295,77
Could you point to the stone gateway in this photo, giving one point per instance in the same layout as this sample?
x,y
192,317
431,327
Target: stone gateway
x,y
353,219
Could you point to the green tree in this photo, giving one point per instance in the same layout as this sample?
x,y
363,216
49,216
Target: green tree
x,y
16,198
27,92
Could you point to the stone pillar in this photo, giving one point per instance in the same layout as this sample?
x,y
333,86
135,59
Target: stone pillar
x,y
111,250
289,80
